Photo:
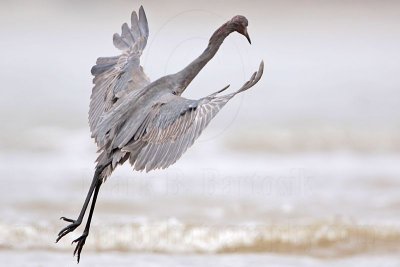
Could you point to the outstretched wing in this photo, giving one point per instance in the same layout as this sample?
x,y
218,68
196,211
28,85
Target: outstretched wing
x,y
114,77
172,127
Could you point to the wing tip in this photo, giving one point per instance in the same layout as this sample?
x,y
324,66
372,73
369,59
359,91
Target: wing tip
x,y
133,16
220,91
124,25
143,23
93,70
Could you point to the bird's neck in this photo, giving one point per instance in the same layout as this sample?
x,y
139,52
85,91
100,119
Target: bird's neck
x,y
185,76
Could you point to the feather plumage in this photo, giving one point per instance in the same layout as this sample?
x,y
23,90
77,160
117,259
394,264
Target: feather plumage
x,y
116,76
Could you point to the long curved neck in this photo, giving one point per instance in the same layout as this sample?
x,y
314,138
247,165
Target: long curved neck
x,y
185,76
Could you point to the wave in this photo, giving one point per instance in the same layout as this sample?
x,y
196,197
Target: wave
x,y
319,238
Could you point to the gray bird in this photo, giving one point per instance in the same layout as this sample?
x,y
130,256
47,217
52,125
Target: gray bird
x,y
147,123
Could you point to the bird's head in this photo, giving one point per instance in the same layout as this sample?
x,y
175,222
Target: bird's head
x,y
239,23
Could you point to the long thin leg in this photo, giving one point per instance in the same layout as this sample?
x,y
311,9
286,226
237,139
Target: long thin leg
x,y
82,239
75,223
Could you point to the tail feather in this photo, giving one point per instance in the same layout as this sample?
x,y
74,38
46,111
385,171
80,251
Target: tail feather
x,y
107,162
104,166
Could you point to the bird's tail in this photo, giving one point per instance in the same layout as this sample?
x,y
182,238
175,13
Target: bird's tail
x,y
108,161
103,166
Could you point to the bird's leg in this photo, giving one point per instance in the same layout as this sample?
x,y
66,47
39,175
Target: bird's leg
x,y
82,239
75,223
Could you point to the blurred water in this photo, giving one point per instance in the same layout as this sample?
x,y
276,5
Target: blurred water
x,y
324,205
303,169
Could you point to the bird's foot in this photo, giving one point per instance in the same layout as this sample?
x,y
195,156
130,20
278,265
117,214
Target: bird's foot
x,y
81,242
68,229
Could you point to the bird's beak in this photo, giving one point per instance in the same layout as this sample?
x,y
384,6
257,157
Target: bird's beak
x,y
246,34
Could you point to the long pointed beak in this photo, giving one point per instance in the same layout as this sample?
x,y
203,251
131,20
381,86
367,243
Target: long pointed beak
x,y
247,36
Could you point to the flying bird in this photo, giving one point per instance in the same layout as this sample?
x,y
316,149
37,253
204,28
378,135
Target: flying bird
x,y
147,123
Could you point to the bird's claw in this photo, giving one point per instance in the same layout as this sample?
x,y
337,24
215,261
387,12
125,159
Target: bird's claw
x,y
67,219
81,242
68,229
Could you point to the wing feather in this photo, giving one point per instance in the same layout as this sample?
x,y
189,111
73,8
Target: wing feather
x,y
168,139
115,77
177,124
143,25
119,42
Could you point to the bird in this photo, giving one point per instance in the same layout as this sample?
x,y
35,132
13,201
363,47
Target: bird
x,y
147,123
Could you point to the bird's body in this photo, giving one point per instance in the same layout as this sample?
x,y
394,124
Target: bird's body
x,y
147,123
